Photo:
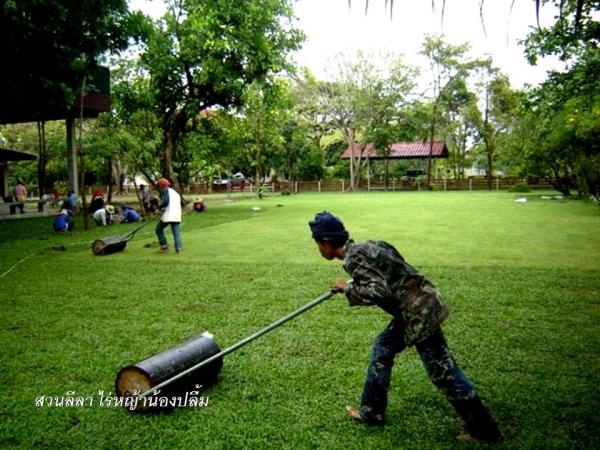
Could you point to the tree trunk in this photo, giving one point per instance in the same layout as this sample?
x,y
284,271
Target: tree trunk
x,y
357,164
431,137
386,171
350,141
110,181
257,182
561,184
291,177
86,216
487,137
42,158
463,155
489,152
174,124
166,155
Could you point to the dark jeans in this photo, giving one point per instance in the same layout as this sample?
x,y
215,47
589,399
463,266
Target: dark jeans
x,y
439,364
162,239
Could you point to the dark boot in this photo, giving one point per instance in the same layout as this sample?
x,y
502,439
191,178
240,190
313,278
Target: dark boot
x,y
477,419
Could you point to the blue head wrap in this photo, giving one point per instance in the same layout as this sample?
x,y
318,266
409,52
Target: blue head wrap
x,y
327,226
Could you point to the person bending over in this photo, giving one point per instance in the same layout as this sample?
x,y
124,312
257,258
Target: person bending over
x,y
382,277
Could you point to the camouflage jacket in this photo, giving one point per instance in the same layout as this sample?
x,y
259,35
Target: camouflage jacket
x,y
382,277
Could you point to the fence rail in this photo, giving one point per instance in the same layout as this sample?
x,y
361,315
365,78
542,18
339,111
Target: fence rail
x,y
437,184
394,185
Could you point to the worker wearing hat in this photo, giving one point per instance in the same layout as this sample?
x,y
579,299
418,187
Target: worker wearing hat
x,y
104,215
170,214
381,277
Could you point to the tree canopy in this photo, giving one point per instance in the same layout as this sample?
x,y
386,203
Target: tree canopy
x,y
212,92
205,53
48,47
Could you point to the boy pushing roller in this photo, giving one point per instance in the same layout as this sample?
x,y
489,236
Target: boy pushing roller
x,y
382,277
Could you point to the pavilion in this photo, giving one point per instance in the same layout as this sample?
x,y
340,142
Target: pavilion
x,y
7,155
94,102
402,150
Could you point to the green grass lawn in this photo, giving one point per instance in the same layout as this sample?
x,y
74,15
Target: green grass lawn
x,y
522,282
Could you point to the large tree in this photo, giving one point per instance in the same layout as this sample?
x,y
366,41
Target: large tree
x,y
563,112
206,52
559,131
449,69
264,117
386,120
133,114
305,152
498,103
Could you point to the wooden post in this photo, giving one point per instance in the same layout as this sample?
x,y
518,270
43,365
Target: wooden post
x,y
343,189
319,185
4,179
497,183
296,186
470,184
445,185
393,184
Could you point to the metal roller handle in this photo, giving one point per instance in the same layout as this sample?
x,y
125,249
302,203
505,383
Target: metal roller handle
x,y
131,234
243,342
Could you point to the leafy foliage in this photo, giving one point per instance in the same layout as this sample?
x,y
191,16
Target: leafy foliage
x,y
575,31
563,113
205,53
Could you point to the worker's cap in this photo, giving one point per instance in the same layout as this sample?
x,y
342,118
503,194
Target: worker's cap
x,y
163,183
327,226
110,209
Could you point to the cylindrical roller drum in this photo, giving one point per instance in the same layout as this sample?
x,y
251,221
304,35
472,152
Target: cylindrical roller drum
x,y
108,245
140,377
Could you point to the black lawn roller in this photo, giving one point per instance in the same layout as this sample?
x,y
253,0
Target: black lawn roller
x,y
115,244
190,366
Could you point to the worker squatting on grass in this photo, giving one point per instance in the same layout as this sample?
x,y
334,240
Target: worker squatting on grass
x,y
381,276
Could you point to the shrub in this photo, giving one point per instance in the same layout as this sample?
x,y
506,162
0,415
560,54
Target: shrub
x,y
519,187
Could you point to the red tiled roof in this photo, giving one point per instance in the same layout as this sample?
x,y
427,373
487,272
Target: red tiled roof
x,y
403,150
